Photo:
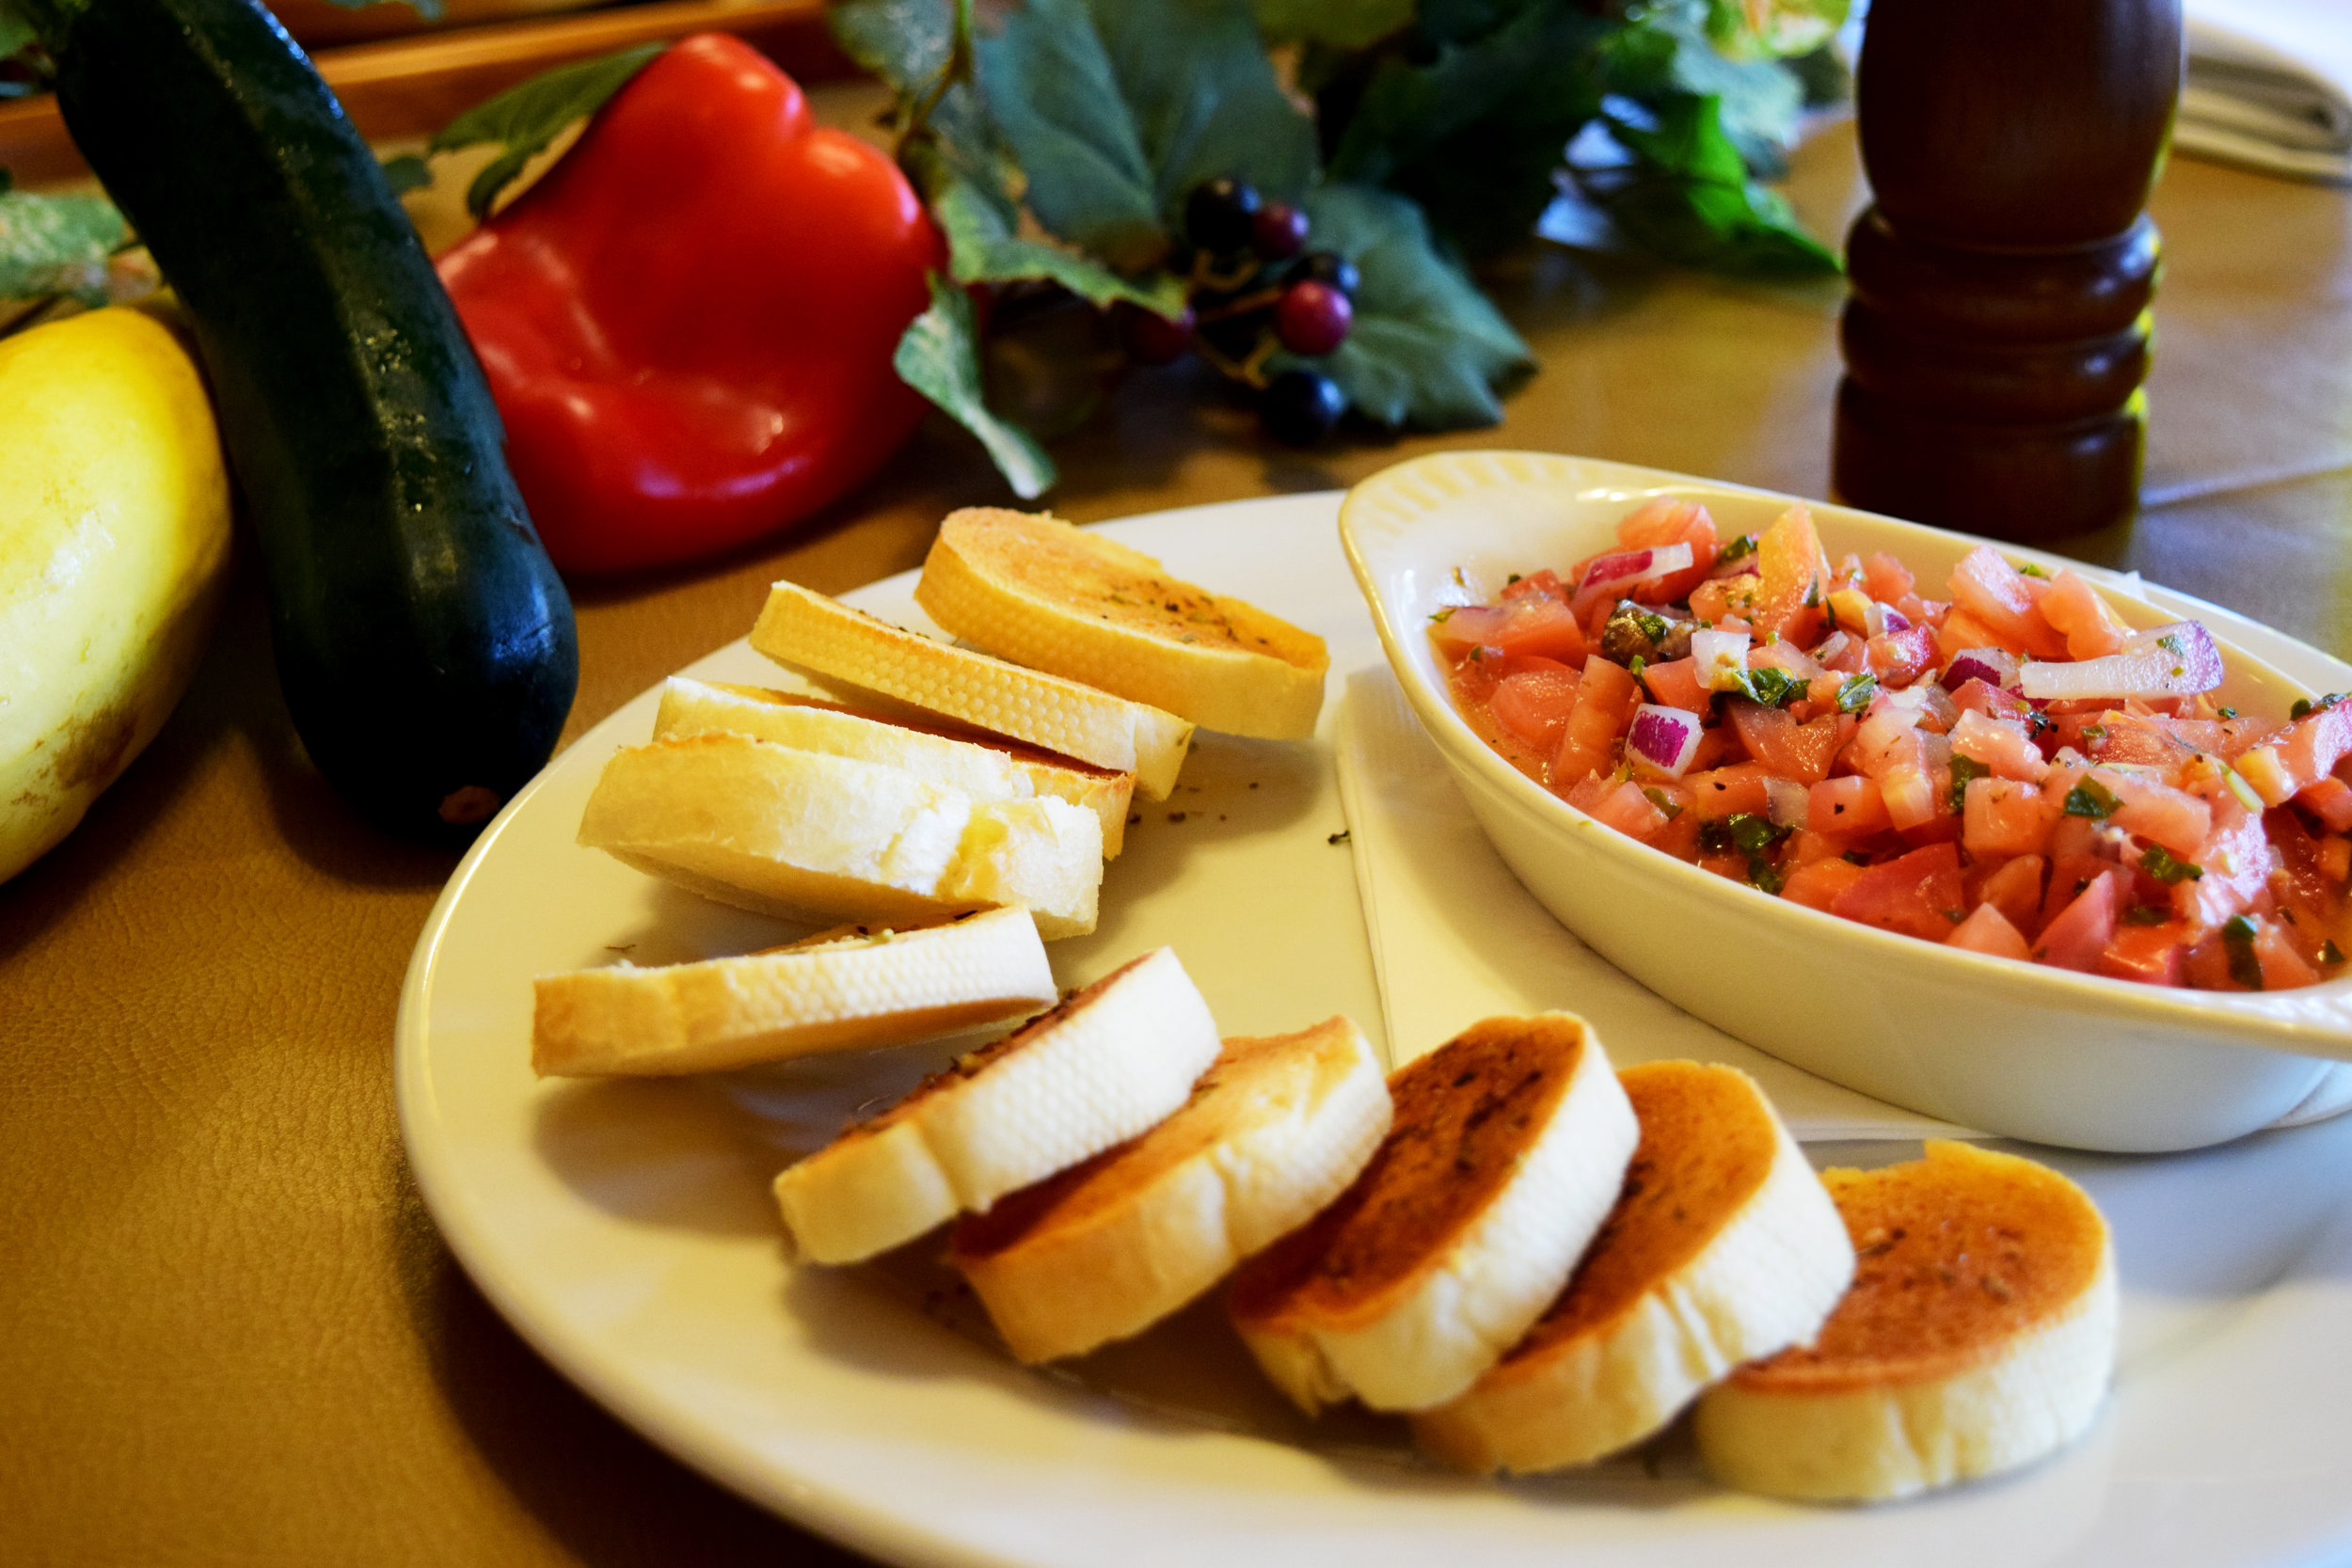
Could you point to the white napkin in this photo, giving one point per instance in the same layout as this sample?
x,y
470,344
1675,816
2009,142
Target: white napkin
x,y
2269,85
1455,938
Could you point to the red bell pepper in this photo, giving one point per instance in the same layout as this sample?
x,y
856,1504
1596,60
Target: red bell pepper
x,y
689,323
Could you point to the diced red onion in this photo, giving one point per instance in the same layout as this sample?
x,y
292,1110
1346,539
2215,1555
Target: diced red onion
x,y
2178,661
1662,739
1628,568
1712,653
1746,567
1895,619
1789,803
1995,667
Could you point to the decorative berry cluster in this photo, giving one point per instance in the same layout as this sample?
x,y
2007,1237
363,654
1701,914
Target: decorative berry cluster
x,y
1253,286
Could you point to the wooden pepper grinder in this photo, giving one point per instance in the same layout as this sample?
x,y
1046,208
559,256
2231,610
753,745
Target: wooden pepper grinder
x,y
1997,332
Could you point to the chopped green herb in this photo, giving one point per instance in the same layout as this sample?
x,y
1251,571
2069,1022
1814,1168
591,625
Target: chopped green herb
x,y
1653,626
2171,643
2159,862
2306,706
1955,916
1663,801
2030,570
1773,688
1812,594
2093,800
1766,875
2303,705
1512,578
1441,617
2237,935
1856,693
1739,550
2330,953
2146,914
1746,834
1635,665
2226,712
1856,857
2094,733
1963,769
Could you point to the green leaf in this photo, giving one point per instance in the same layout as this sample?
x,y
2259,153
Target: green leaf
x,y
905,42
1476,134
1769,29
1206,104
1757,101
939,357
2237,936
1963,769
1684,193
1117,110
1427,349
982,248
57,244
407,173
2168,868
1341,24
525,118
2092,799
15,32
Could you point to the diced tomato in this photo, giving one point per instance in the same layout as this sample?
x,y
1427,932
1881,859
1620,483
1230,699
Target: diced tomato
x,y
1805,846
2135,739
2314,743
1727,791
1962,631
1975,695
1544,584
2267,773
2071,874
1587,792
1841,653
1888,579
1986,930
1790,750
2152,954
1899,658
1605,701
1847,807
1788,595
2000,745
1715,747
1668,520
2082,617
2157,812
1989,587
1535,704
1818,884
2282,967
2004,816
1627,809
1714,602
2237,861
2015,889
1534,625
1675,684
2077,936
1917,894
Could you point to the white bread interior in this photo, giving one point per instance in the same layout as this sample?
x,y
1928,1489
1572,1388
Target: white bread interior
x,y
1472,1297
1104,1066
845,991
986,770
1275,1130
802,835
1942,1412
798,627
1776,1263
1041,592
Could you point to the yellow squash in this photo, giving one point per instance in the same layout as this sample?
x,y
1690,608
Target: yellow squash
x,y
114,540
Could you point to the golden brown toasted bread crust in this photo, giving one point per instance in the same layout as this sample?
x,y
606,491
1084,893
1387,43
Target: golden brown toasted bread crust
x,y
1703,1155
1464,1114
1959,1255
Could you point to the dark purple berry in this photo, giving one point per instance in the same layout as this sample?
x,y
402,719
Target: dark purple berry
x,y
1279,231
1313,318
1153,340
1326,266
1299,407
1220,216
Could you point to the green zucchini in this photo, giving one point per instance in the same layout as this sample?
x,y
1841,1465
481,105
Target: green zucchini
x,y
425,646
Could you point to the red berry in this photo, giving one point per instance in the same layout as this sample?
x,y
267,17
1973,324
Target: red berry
x,y
1313,318
1277,230
1155,339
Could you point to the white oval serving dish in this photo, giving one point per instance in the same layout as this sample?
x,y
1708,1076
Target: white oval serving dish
x,y
2018,1048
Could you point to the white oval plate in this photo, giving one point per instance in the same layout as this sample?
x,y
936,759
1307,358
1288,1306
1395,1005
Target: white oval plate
x,y
625,1230
2020,1049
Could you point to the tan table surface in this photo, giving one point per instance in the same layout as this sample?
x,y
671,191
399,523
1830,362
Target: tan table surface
x,y
228,1331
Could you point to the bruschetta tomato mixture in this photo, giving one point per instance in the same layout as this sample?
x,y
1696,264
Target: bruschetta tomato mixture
x,y
2008,769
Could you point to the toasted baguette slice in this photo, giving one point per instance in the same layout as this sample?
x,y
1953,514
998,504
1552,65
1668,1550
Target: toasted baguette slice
x,y
1722,1247
1276,1129
982,767
1508,1147
799,626
801,833
844,990
1054,597
1099,1068
1978,1335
